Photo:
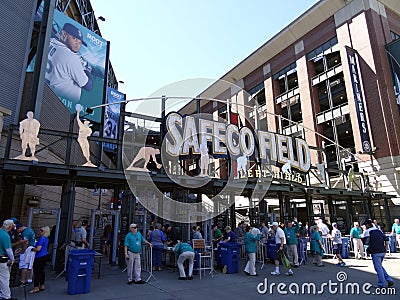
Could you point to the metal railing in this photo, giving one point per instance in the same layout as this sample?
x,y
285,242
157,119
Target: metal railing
x,y
146,254
302,250
260,254
146,262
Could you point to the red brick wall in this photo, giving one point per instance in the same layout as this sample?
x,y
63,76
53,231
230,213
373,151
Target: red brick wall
x,y
319,35
378,87
254,78
393,21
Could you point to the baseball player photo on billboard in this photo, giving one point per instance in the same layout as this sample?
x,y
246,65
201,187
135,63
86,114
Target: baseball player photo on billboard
x,y
67,72
76,64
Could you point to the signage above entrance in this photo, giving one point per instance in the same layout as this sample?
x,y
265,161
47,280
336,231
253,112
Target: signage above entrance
x,y
186,135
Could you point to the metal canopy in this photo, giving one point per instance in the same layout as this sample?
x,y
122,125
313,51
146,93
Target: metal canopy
x,y
38,173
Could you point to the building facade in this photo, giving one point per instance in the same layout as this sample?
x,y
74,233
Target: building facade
x,y
26,91
326,77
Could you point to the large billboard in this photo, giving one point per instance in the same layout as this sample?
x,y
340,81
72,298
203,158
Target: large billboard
x,y
76,65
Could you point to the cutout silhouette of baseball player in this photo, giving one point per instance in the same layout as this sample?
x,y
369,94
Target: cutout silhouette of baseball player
x,y
28,132
204,159
321,170
145,153
241,164
286,168
84,132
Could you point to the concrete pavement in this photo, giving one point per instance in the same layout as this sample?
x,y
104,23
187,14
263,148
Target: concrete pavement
x,y
113,285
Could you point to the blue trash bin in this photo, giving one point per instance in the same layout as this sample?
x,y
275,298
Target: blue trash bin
x,y
392,243
79,271
230,254
218,257
345,247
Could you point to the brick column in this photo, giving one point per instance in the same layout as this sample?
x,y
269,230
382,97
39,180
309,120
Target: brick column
x,y
272,120
308,110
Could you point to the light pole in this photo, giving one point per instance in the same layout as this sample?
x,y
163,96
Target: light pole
x,y
118,83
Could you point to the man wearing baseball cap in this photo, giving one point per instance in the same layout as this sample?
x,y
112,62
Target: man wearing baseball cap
x,y
74,32
336,237
6,259
375,239
280,241
65,73
132,247
25,258
13,232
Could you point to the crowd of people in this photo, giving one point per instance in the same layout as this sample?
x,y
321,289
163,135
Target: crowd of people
x,y
33,249
15,238
367,239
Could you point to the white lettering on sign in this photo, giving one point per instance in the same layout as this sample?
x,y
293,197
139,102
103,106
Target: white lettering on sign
x,y
183,136
116,95
94,40
359,104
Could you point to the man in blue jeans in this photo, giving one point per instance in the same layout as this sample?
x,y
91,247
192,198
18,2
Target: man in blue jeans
x,y
375,239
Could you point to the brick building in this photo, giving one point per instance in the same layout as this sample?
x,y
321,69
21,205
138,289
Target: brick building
x,y
326,77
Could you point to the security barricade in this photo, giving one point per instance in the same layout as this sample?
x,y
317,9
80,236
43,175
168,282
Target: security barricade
x,y
146,254
243,254
392,243
327,244
350,246
346,246
260,254
302,250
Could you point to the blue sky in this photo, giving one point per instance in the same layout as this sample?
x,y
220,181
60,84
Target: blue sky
x,y
156,42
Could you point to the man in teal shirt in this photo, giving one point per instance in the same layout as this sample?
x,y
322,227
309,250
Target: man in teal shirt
x,y
27,240
132,247
396,231
291,244
355,234
6,259
184,251
27,235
